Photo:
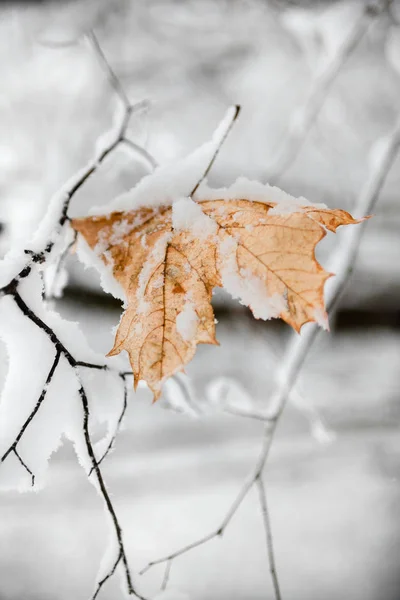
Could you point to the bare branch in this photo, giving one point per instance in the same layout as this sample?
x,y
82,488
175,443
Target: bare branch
x,y
82,363
216,532
247,414
30,418
25,466
107,577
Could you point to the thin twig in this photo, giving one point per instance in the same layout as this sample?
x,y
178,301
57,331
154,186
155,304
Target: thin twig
x,y
107,577
57,214
88,365
218,532
167,574
23,463
142,152
236,411
268,536
306,116
113,78
109,505
37,406
235,114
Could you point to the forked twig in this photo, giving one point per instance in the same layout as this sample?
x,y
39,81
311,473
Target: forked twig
x,y
25,466
62,350
29,419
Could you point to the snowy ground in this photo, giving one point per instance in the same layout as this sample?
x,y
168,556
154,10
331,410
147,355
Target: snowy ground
x,y
334,507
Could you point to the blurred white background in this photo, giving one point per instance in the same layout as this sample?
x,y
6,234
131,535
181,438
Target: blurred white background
x,y
334,507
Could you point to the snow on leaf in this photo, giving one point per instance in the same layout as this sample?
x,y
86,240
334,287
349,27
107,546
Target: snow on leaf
x,y
156,279
263,257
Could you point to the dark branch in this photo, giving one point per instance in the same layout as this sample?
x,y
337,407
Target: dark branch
x,y
37,406
106,497
109,574
25,466
88,365
42,325
50,231
73,363
219,146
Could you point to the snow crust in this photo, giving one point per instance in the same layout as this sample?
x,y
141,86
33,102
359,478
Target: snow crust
x,y
171,185
171,181
187,215
90,259
156,257
254,191
245,286
187,320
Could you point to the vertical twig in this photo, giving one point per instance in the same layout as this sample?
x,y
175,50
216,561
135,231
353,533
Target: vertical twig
x,y
268,536
228,126
109,505
167,574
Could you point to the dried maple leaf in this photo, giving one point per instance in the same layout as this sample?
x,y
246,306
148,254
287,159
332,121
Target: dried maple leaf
x,y
168,261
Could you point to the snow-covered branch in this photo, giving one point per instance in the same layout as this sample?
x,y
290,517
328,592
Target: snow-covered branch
x,y
21,298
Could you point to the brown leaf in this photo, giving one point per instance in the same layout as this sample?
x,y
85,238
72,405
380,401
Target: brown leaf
x,y
164,274
168,273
